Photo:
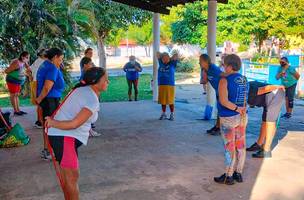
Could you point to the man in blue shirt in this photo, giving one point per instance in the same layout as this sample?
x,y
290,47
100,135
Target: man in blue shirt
x,y
132,69
213,74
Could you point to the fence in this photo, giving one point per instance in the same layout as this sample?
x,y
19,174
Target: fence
x,y
266,72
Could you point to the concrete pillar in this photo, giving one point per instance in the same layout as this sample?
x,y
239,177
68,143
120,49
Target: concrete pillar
x,y
156,43
211,111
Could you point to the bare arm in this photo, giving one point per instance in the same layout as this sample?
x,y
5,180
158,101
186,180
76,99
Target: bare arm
x,y
174,57
75,123
138,67
269,88
223,97
158,55
125,68
296,75
279,75
12,67
45,90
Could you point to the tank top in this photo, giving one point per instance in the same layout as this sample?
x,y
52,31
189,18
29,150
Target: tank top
x,y
17,76
237,87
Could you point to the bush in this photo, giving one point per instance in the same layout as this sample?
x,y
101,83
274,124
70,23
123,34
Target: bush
x,y
187,65
2,83
265,59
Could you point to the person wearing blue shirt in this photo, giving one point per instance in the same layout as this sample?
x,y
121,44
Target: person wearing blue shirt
x,y
132,69
213,74
233,92
166,83
50,86
88,53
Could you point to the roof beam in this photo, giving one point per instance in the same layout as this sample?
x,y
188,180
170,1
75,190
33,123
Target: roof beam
x,y
144,5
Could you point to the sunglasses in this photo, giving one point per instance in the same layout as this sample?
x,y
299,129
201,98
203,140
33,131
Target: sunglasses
x,y
283,63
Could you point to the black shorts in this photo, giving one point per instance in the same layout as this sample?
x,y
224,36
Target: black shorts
x,y
65,150
273,104
290,92
48,106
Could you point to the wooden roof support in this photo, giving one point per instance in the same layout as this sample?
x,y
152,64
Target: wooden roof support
x,y
158,6
145,6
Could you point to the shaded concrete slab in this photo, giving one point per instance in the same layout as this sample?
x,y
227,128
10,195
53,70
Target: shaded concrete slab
x,y
141,158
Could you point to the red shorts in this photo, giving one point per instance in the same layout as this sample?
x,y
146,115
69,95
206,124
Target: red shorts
x,y
13,88
65,150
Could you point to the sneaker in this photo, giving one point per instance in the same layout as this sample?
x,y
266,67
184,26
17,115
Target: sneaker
x,y
23,113
237,177
254,147
45,154
163,116
130,99
38,125
214,131
223,179
286,115
171,117
18,113
262,154
94,133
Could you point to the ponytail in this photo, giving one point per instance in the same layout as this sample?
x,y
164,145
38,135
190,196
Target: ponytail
x,y
91,77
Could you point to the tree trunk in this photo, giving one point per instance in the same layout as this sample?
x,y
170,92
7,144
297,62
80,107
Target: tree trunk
x,y
146,50
101,52
149,51
260,45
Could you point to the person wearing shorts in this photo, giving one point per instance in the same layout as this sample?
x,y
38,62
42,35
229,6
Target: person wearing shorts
x,y
166,83
15,77
50,86
233,91
33,84
70,126
273,99
132,69
289,77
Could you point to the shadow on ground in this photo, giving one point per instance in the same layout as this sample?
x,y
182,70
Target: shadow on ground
x,y
141,158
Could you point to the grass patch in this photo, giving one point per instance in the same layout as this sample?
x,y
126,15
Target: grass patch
x,y
117,91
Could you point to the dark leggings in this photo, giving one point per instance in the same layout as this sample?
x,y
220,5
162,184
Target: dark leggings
x,y
290,93
135,85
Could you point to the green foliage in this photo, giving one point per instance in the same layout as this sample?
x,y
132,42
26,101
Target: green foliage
x,y
261,58
118,89
32,25
141,34
240,21
2,84
187,65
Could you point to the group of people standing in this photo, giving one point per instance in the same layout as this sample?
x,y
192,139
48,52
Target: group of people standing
x,y
68,125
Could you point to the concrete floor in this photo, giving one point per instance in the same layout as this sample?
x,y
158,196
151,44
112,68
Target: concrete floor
x,y
141,158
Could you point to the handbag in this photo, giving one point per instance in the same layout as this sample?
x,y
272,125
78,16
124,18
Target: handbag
x,y
15,136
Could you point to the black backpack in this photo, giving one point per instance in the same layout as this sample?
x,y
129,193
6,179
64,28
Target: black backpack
x,y
253,98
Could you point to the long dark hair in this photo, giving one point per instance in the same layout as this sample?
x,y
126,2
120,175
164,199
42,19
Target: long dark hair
x,y
23,54
91,77
52,52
